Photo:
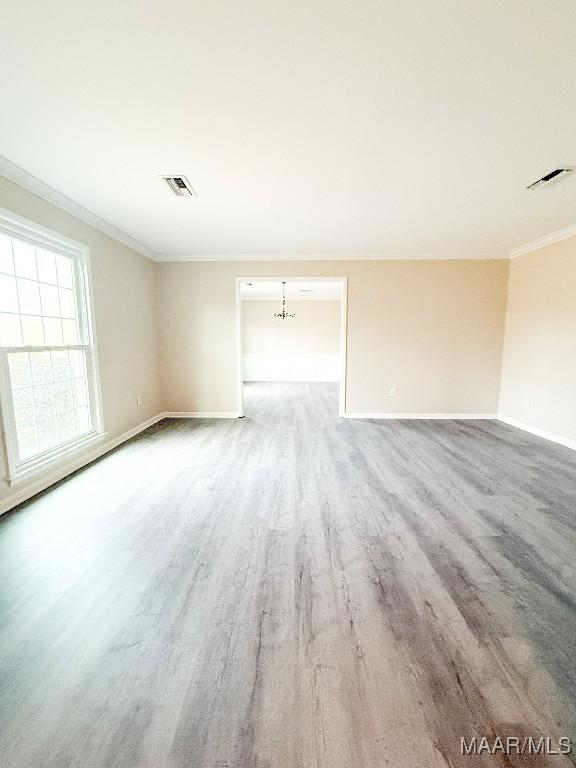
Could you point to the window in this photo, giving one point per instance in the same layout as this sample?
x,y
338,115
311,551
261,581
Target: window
x,y
48,375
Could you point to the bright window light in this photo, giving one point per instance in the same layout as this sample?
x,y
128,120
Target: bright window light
x,y
49,384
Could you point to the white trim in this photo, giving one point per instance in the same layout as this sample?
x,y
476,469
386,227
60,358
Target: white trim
x,y
23,229
52,458
23,178
63,470
201,415
26,180
239,350
305,368
338,256
26,229
343,346
553,437
94,381
542,242
445,416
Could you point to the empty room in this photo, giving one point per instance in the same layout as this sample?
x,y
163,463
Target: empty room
x,y
288,384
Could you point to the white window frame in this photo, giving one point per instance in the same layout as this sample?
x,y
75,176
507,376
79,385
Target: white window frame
x,y
30,232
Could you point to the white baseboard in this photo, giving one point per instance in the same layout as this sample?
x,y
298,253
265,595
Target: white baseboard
x,y
455,416
552,436
201,415
64,469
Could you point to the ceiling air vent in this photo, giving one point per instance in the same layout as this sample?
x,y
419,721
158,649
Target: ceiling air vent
x,y
552,176
180,186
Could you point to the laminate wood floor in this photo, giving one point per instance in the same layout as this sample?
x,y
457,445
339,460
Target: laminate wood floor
x,y
293,590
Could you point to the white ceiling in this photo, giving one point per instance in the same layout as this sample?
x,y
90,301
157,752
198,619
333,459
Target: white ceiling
x,y
324,290
306,127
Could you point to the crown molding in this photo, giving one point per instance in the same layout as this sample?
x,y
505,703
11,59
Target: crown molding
x,y
542,242
29,182
18,175
256,257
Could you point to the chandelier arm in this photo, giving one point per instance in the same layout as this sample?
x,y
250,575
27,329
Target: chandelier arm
x,y
284,314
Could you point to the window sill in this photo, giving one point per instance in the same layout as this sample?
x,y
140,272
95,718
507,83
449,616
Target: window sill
x,y
55,460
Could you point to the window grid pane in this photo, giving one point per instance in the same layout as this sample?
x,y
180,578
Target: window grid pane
x,y
39,308
35,283
50,396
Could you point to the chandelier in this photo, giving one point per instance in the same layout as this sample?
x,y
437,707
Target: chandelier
x,y
284,315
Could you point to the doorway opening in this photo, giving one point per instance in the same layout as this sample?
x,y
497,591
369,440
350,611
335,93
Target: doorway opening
x,y
291,331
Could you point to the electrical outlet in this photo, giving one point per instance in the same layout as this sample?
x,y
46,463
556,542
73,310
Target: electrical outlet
x,y
138,401
527,398
392,392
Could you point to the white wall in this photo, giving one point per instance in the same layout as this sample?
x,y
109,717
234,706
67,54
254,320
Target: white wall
x,y
123,287
300,348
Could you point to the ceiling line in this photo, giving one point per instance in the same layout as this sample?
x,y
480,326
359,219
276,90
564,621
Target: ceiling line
x,y
541,242
28,181
20,176
330,257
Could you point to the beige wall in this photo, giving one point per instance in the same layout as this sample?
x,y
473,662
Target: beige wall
x,y
432,329
539,364
315,329
125,318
